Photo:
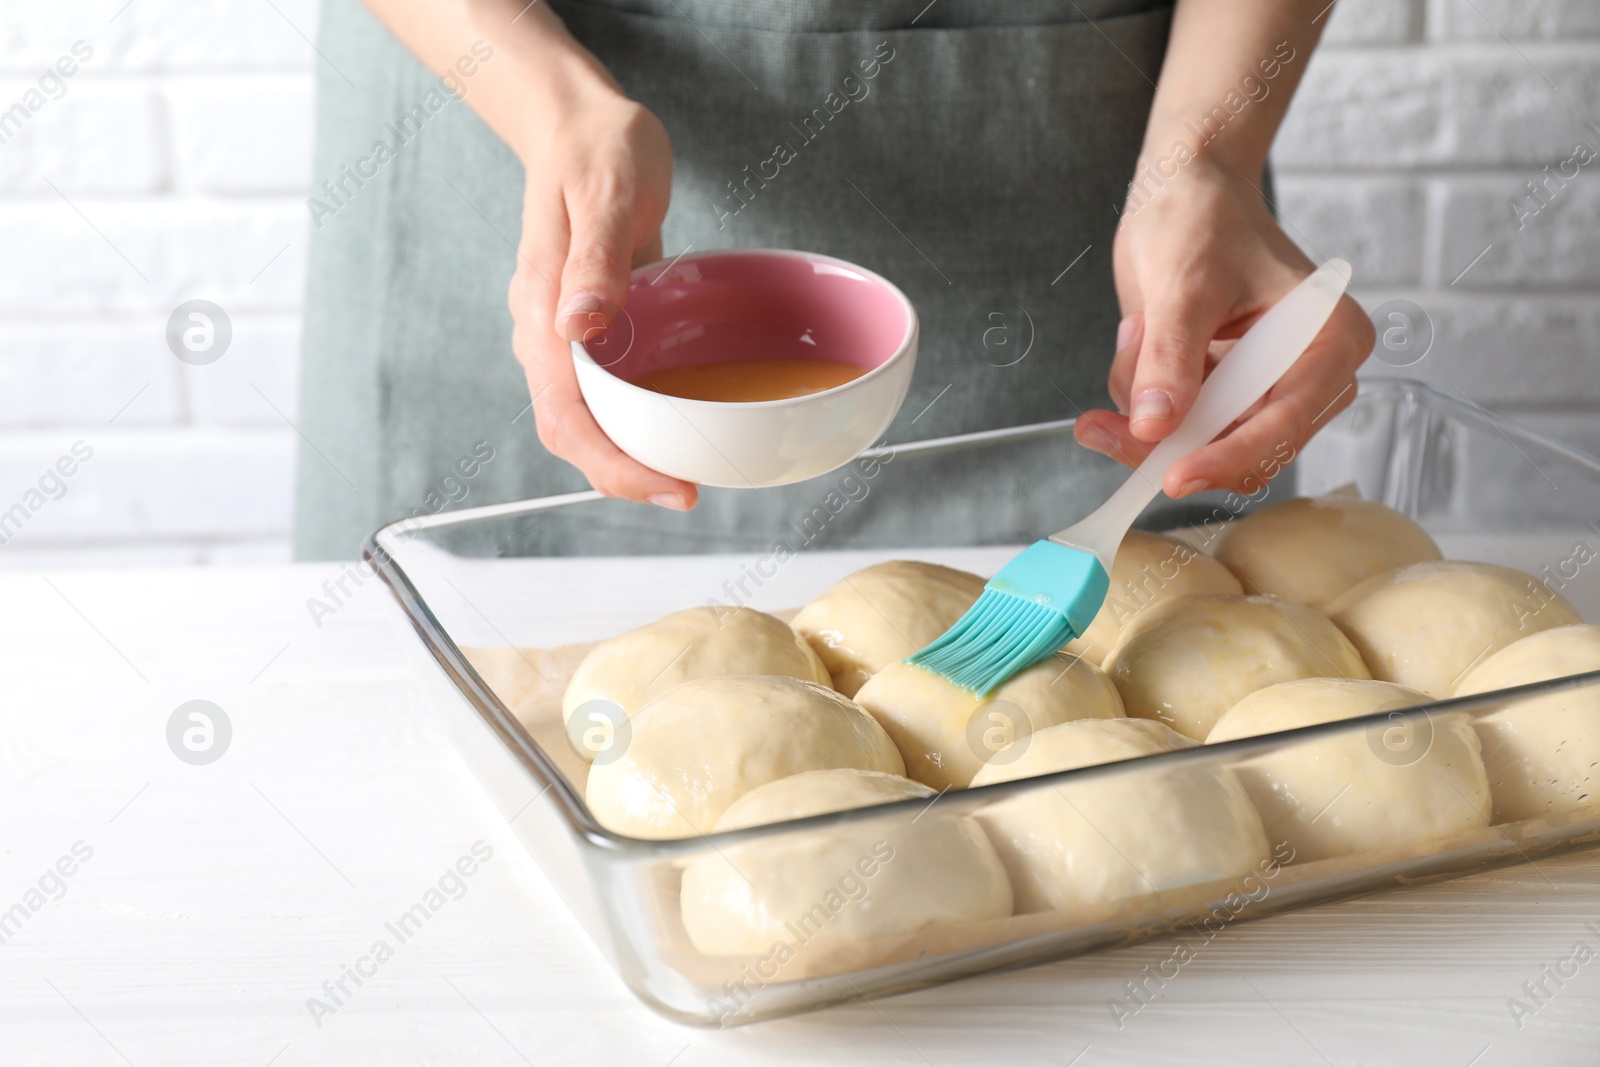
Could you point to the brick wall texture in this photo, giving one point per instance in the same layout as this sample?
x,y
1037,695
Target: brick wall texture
x,y
1434,143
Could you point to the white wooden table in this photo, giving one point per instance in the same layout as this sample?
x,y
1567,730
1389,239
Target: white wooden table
x,y
219,898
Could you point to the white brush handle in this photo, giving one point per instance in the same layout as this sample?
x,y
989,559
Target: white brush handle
x,y
1250,368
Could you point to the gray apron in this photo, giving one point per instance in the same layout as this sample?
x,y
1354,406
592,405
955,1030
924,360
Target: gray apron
x,y
974,153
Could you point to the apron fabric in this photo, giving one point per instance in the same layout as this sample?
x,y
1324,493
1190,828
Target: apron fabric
x,y
973,153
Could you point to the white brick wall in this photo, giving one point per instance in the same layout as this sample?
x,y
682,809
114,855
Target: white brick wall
x,y
185,142
174,167
1418,121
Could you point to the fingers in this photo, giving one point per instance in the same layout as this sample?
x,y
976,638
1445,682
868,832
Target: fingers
x,y
1249,457
650,251
1263,440
1321,384
594,277
1107,432
568,430
1130,333
1178,327
565,426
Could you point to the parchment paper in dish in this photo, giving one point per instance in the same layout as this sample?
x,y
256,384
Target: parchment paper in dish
x,y
530,682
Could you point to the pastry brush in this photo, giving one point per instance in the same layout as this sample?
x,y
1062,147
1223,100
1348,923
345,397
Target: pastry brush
x,y
1050,593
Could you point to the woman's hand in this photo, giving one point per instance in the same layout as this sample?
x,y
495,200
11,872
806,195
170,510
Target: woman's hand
x,y
599,173
597,189
1197,262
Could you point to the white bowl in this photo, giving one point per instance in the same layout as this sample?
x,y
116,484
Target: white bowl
x,y
759,302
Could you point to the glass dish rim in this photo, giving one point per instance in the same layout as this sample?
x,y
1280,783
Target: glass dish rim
x,y
532,757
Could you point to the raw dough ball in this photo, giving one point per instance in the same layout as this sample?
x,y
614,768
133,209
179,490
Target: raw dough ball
x,y
931,720
1187,660
710,741
1149,568
882,614
1202,539
827,888
1310,550
634,668
1393,785
1543,753
1424,625
1093,843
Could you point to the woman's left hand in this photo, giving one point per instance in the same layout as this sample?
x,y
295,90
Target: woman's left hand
x,y
1196,264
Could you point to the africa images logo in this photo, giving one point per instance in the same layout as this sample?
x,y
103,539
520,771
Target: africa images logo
x,y
450,885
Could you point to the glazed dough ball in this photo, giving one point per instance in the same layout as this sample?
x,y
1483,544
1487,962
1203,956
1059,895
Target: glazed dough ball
x,y
945,733
1094,843
1149,568
1310,550
882,614
708,742
1393,785
824,889
1187,660
634,668
1424,625
1542,753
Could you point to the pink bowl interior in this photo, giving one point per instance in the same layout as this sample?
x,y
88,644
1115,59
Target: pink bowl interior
x,y
749,305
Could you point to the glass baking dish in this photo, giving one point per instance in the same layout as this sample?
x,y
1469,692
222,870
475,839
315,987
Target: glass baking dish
x,y
536,575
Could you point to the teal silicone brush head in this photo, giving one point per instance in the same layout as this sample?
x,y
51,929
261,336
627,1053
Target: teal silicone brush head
x,y
1038,602
1050,593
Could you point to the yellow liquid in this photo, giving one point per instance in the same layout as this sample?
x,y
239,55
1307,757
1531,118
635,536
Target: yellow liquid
x,y
747,380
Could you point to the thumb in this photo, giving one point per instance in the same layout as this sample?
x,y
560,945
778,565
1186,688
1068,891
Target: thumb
x,y
594,280
1170,364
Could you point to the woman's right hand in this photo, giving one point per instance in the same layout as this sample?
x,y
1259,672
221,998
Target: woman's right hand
x,y
598,183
